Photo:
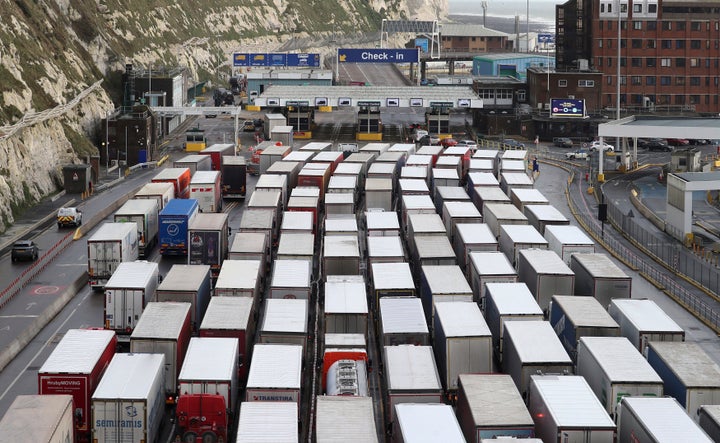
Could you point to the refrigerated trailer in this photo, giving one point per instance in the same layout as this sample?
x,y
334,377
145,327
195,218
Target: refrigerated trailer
x,y
379,194
178,177
411,376
110,245
234,177
39,419
688,374
426,422
75,368
272,422
216,152
275,374
574,317
284,321
657,420
187,283
175,221
545,274
341,255
291,279
160,193
385,249
614,369
205,187
243,278
346,306
568,240
489,267
164,328
490,405
391,279
127,293
515,238
296,246
402,321
542,216
194,162
382,224
499,214
341,418
565,410
442,283
642,321
597,276
145,214
472,237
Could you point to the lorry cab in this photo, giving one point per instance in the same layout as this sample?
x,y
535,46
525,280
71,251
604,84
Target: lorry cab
x,y
69,217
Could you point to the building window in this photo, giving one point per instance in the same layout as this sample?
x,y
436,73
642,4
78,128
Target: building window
x,y
609,25
679,99
624,25
651,44
609,62
562,83
694,81
665,80
680,26
623,43
609,80
623,62
623,80
680,81
600,24
665,62
637,8
472,39
521,95
694,62
609,44
650,81
679,44
599,43
696,26
666,25
695,44
636,62
586,83
650,62
637,25
602,8
666,44
636,80
652,26
694,99
599,61
679,62
636,43
623,8
652,9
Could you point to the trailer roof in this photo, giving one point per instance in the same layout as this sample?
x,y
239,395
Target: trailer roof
x,y
585,311
328,156
598,264
136,206
351,168
202,177
512,165
461,319
382,220
339,198
385,246
275,366
529,195
299,156
619,359
343,182
238,274
411,368
113,231
445,173
285,315
461,209
249,242
305,191
428,422
78,351
383,168
546,213
515,154
485,179
341,246
345,297
133,275
264,198
185,278
341,223
445,279
571,401
402,315
210,358
494,400
229,313
480,165
516,178
414,172
513,298
297,220
536,341
209,221
130,376
689,362
476,234
316,146
504,212
418,159
255,218
426,223
341,419
545,261
452,193
429,150
301,202
169,173
490,194
413,184
523,234
646,315
664,419
361,157
433,246
568,235
296,244
291,274
233,160
163,320
275,149
392,276
345,340
457,150
271,180
487,153
491,263
285,167
155,188
268,421
402,147
26,410
378,184
219,147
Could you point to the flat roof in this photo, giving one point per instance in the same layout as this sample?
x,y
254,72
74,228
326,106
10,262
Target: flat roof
x,y
662,127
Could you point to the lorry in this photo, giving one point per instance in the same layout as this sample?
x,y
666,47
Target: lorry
x,y
657,420
597,276
232,317
642,321
614,369
291,279
462,341
545,274
411,376
127,293
443,283
70,216
161,193
190,284
216,152
332,424
344,372
194,162
255,416
39,419
402,322
515,238
575,317
178,177
542,216
164,328
565,409
234,177
174,221
489,267
501,214
65,373
709,420
416,422
472,237
284,321
128,404
205,188
240,278
567,240
145,214
275,374
490,405
208,234
346,306
208,389
110,245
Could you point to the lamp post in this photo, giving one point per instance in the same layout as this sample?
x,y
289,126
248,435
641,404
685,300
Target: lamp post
x,y
107,143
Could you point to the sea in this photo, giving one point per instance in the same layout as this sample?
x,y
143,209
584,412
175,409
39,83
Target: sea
x,y
500,15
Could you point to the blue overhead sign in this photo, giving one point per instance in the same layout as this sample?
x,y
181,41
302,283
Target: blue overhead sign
x,y
546,38
276,59
348,55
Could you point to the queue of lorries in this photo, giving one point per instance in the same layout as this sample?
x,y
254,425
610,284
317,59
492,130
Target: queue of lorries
x,y
490,315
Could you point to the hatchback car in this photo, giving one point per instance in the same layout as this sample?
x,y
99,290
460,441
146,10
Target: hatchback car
x,y
446,142
24,250
563,142
657,144
580,154
468,144
595,146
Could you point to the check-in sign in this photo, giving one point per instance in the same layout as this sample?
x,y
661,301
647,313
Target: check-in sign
x,y
375,55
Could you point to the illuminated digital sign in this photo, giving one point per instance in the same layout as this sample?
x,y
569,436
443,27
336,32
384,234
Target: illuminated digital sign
x,y
567,107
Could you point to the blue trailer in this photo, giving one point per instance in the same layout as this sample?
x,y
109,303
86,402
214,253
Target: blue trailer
x,y
175,219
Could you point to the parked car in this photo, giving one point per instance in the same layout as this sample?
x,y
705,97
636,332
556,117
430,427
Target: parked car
x,y
699,141
595,146
678,142
514,144
658,144
563,142
579,154
469,144
446,142
429,140
419,134
24,250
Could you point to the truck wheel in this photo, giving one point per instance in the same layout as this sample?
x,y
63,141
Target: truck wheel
x,y
189,437
209,437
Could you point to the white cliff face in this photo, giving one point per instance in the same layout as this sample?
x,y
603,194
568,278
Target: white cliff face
x,y
51,53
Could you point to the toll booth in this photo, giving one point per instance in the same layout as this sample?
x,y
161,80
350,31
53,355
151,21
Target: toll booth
x,y
437,117
77,179
195,140
369,124
301,116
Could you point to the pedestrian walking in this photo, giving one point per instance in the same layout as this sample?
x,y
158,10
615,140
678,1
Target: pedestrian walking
x,y
535,167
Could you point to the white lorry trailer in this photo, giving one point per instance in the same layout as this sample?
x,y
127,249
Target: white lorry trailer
x,y
657,420
145,214
643,321
110,245
127,292
39,419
